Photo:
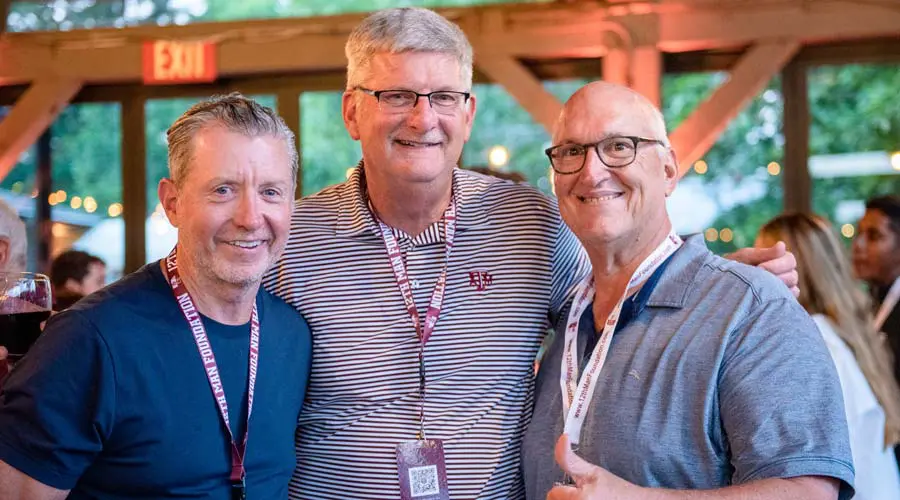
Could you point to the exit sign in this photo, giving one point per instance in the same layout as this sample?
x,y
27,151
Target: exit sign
x,y
169,61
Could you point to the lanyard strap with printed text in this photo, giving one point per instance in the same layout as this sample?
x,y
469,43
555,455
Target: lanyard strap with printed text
x,y
577,395
888,304
423,329
195,322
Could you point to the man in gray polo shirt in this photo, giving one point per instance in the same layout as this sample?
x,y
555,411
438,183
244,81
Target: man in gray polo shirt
x,y
715,378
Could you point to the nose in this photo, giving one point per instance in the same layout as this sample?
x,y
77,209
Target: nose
x,y
422,116
247,213
594,170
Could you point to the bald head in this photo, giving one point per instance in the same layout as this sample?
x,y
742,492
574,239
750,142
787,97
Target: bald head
x,y
622,110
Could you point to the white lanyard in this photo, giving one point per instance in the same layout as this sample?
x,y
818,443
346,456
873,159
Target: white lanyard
x,y
577,395
887,305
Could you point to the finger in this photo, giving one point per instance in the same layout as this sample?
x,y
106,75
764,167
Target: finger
x,y
573,465
756,256
780,265
563,493
3,352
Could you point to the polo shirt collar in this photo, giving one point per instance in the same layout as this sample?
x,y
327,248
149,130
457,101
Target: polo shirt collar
x,y
680,274
356,220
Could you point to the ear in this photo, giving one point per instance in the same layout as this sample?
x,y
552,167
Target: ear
x,y
470,115
670,165
74,286
168,198
349,108
4,253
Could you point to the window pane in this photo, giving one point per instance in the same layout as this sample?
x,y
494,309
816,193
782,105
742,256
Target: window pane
x,y
160,236
328,151
87,184
737,187
854,131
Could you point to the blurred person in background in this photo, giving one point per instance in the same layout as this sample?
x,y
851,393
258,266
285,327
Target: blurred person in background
x,y
876,260
13,240
843,314
75,274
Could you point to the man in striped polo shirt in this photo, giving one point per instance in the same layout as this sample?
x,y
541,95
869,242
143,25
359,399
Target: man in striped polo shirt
x,y
410,239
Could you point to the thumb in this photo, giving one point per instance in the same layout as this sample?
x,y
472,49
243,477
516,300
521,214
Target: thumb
x,y
755,256
578,468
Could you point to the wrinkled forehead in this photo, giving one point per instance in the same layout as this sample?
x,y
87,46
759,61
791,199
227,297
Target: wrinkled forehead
x,y
592,117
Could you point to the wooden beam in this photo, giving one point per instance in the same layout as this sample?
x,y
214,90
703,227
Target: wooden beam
x,y
30,117
288,103
699,131
536,30
134,182
616,66
525,88
646,73
796,179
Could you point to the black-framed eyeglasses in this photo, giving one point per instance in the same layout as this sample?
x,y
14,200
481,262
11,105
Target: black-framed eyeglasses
x,y
445,102
614,152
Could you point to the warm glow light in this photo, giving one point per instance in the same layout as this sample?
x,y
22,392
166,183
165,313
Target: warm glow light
x,y
726,235
59,230
349,172
498,156
90,204
895,160
75,202
774,168
61,196
711,234
115,210
701,167
52,199
848,230
34,194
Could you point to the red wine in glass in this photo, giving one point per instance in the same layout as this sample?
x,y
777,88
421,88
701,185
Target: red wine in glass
x,y
25,302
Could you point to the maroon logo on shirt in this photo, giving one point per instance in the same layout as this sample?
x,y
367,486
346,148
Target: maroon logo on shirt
x,y
481,280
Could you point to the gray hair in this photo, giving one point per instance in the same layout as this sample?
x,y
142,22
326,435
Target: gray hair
x,y
13,229
405,30
235,113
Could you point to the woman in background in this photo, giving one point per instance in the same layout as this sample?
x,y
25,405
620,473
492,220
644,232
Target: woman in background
x,y
843,314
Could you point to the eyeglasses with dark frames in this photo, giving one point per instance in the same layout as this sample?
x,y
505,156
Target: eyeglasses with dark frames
x,y
401,101
614,152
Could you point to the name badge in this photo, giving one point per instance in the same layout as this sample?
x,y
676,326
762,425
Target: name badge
x,y
422,470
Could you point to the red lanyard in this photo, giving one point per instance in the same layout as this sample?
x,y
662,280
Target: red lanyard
x,y
186,303
423,331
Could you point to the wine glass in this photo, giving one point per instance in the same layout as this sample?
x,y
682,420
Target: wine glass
x,y
25,303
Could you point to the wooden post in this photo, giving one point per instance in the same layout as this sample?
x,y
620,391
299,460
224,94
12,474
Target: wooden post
x,y
288,102
796,180
134,181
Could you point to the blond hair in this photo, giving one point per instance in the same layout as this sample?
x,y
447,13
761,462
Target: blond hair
x,y
828,288
406,29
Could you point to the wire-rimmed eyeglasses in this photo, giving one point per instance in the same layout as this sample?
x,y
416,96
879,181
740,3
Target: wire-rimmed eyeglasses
x,y
445,102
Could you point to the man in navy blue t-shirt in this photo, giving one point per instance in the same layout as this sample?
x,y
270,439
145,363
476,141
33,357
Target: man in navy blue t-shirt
x,y
132,392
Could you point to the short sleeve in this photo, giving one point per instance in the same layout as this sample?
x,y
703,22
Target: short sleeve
x,y
780,399
570,265
57,406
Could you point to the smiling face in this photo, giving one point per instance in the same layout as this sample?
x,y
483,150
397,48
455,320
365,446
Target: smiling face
x,y
604,205
233,208
421,144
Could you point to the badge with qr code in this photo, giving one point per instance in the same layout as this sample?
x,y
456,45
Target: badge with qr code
x,y
422,470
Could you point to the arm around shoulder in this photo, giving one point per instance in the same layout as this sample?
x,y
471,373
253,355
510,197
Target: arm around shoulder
x,y
15,485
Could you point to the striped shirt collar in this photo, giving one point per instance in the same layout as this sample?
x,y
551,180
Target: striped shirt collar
x,y
356,220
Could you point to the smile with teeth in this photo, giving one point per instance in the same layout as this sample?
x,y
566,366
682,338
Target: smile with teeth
x,y
245,244
416,144
599,199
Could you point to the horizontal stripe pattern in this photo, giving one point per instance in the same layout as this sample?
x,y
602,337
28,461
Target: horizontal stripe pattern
x,y
363,396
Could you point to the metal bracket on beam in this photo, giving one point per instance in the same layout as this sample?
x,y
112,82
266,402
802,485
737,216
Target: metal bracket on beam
x,y
29,118
699,131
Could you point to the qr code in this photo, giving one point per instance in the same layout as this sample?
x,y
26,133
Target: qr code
x,y
423,481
